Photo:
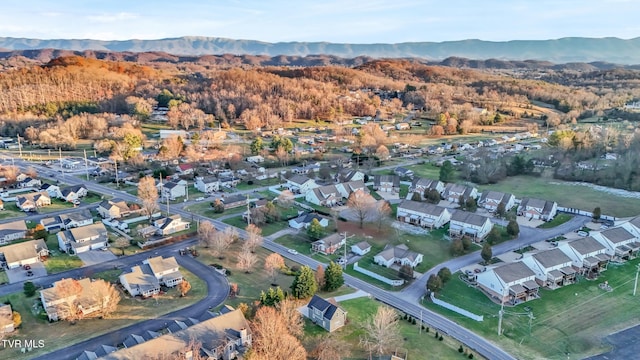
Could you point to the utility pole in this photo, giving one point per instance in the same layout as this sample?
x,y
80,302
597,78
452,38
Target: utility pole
x,y
635,285
248,211
500,314
60,157
86,164
115,161
19,147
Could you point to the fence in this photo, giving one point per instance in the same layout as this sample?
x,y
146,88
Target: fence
x,y
584,213
140,218
376,276
460,311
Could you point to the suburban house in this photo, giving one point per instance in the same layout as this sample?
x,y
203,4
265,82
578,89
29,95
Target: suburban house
x,y
399,254
207,184
552,268
73,193
346,175
233,201
170,225
24,253
467,223
403,172
347,188
113,209
329,244
419,185
324,196
620,244
52,190
304,220
79,240
386,183
490,200
133,340
165,270
33,201
453,192
423,214
67,221
513,283
101,351
226,337
173,189
12,231
228,181
184,169
327,314
6,319
538,209
55,302
361,248
300,184
29,182
256,159
140,281
587,255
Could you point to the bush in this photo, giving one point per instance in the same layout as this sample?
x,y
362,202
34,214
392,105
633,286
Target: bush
x,y
29,289
460,349
414,321
440,338
470,356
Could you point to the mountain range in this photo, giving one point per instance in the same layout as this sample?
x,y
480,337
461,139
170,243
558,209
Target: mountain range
x,y
564,50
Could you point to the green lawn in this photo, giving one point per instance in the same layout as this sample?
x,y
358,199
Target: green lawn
x,y
204,208
560,219
56,205
4,279
404,191
572,319
61,262
567,195
11,211
414,343
61,334
425,170
267,229
93,198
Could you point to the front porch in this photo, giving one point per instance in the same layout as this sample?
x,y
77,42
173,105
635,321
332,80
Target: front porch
x,y
523,293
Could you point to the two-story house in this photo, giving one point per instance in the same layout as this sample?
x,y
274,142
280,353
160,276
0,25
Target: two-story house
x,y
33,201
170,225
386,183
166,270
467,223
454,192
326,314
513,283
81,293
173,189
324,196
491,200
29,182
420,185
207,184
113,209
537,209
52,190
552,268
13,230
67,221
423,214
73,193
81,239
620,243
587,255
300,184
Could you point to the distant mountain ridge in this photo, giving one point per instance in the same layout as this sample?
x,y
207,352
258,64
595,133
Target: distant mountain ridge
x,y
564,50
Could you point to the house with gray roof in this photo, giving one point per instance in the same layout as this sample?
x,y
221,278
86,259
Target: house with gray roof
x,y
587,255
67,221
386,183
24,253
361,248
113,209
300,184
166,270
399,254
537,209
304,220
73,193
620,243
170,225
513,283
454,192
81,239
141,281
326,314
12,231
422,214
490,200
553,268
420,185
329,244
468,223
33,201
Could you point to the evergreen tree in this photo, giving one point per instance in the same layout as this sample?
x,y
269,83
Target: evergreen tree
x,y
257,146
333,278
447,172
486,252
304,284
597,213
272,297
444,274
513,228
29,289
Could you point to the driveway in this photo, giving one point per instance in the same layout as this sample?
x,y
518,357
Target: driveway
x,y
93,257
20,274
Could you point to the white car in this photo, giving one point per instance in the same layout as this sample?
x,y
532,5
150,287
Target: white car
x,y
292,251
199,199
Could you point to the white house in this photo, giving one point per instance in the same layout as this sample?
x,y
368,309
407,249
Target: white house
x,y
587,255
170,225
361,248
453,192
467,223
386,183
207,184
324,196
619,242
304,220
552,268
52,190
33,201
513,283
399,254
257,159
422,214
73,193
29,183
68,221
490,200
13,230
24,253
166,270
419,185
300,184
537,209
81,239
174,189
346,175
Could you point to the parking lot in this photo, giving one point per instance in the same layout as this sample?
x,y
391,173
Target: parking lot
x,y
93,257
20,274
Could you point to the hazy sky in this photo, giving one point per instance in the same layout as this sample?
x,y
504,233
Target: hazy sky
x,y
353,21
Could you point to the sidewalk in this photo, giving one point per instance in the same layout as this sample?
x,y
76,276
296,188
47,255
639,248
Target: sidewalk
x,y
355,295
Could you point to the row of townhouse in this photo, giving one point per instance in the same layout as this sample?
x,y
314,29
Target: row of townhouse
x,y
588,256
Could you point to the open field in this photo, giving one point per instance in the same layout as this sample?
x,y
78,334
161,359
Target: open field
x,y
60,334
567,322
204,208
414,343
267,229
567,195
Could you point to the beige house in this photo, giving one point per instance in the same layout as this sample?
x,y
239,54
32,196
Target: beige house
x,y
453,192
326,314
6,319
82,239
423,214
113,209
170,225
55,301
165,270
419,185
140,281
537,209
33,201
552,268
12,231
24,253
490,200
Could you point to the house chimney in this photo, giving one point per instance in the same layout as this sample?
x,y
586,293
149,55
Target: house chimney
x,y
244,336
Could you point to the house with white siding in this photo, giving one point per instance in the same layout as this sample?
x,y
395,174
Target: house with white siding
x,y
399,254
620,243
300,184
490,200
386,183
420,185
81,239
207,184
453,192
552,268
422,214
587,255
13,230
537,209
512,283
467,223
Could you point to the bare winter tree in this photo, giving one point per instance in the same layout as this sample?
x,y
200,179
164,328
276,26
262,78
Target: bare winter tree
x,y
292,317
107,296
381,213
382,332
271,338
362,205
272,264
254,238
148,195
285,199
122,243
222,240
68,290
330,347
206,233
246,260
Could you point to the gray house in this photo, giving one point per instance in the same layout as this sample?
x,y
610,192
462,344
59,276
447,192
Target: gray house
x,y
326,314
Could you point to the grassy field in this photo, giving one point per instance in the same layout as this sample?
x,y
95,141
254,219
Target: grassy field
x,y
61,334
204,208
558,220
414,343
61,262
11,211
267,229
573,319
56,205
567,195
426,171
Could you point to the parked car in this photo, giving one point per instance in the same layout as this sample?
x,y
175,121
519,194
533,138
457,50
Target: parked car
x,y
29,273
292,251
27,267
200,199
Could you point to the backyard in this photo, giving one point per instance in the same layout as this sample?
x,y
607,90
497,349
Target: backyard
x,y
57,335
11,211
569,322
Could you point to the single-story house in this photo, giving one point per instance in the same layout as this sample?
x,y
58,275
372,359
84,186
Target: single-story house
x,y
620,243
422,214
537,209
587,255
386,183
166,270
24,253
513,282
12,231
552,268
453,192
81,239
326,314
68,221
304,220
329,244
233,201
113,209
361,248
170,225
490,200
33,201
399,254
467,223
